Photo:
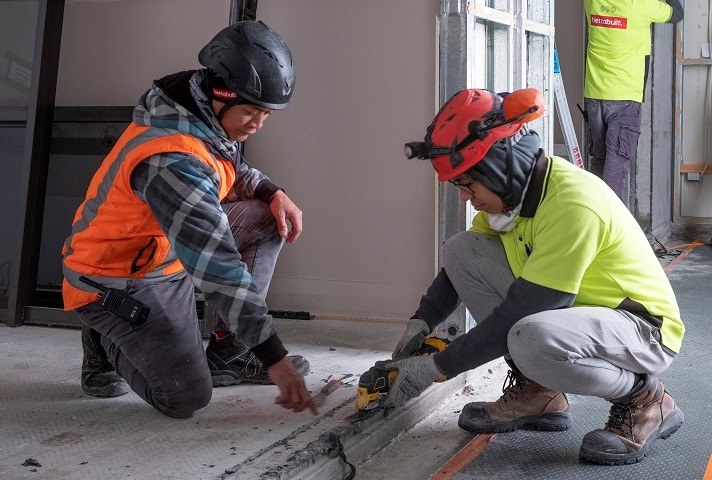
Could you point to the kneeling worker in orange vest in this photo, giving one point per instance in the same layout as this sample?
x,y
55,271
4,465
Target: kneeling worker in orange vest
x,y
174,206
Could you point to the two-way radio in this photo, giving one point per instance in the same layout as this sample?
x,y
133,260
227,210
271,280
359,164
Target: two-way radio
x,y
120,303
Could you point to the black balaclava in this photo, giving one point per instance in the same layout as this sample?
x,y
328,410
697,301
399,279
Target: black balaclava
x,y
492,170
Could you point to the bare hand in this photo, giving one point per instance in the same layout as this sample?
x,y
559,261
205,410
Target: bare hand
x,y
293,393
283,209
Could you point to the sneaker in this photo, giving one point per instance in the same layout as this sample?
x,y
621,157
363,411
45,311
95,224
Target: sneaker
x,y
634,424
99,379
524,404
232,363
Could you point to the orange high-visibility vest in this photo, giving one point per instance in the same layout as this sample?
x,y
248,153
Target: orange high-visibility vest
x,y
115,236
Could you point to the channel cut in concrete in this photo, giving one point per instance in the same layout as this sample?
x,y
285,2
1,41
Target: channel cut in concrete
x,y
358,435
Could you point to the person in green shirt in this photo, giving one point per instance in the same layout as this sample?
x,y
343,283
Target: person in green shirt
x,y
617,60
559,279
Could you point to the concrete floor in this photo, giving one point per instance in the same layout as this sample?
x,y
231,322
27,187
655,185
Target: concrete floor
x,y
422,450
241,434
46,416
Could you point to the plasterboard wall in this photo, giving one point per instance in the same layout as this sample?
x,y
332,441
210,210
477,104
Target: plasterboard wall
x,y
112,50
365,85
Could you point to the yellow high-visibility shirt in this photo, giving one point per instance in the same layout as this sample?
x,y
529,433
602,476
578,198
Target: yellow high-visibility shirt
x,y
618,42
583,240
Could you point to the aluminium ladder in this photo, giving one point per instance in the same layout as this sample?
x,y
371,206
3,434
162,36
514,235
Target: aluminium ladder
x,y
562,107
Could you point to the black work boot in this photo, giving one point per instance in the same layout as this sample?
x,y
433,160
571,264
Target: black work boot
x,y
635,422
524,404
99,379
232,363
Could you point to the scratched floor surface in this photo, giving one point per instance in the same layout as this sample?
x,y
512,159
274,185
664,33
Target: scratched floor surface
x,y
47,420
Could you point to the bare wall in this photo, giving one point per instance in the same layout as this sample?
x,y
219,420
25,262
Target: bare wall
x,y
112,50
365,85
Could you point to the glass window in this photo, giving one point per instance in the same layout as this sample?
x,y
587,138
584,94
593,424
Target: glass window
x,y
18,24
12,143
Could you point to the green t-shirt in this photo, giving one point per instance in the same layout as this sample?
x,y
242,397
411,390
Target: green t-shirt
x,y
618,42
583,240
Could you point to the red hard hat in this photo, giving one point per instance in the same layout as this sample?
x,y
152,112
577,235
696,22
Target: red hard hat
x,y
455,121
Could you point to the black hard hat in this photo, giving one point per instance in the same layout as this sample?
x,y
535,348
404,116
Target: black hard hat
x,y
253,61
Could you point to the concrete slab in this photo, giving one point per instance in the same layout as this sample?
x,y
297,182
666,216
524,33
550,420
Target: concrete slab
x,y
46,416
342,439
422,450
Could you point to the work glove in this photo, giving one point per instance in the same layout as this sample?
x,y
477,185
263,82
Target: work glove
x,y
412,338
415,374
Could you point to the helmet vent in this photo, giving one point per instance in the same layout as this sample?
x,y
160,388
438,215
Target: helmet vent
x,y
267,52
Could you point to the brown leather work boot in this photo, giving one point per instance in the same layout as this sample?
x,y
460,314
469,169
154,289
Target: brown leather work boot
x,y
635,422
524,404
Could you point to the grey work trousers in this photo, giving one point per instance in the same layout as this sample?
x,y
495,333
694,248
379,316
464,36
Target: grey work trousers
x,y
581,350
164,360
255,232
613,131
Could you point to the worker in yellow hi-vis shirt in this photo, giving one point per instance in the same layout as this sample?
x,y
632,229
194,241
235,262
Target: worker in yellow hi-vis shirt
x,y
559,280
617,59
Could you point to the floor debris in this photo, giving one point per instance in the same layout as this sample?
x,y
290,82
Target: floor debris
x,y
320,397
